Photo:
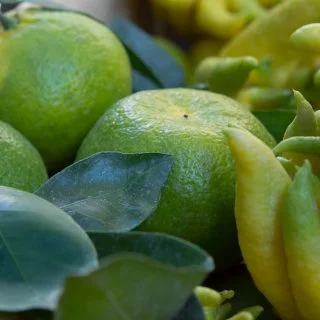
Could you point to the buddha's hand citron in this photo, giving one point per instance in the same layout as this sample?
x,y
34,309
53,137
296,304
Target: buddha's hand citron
x,y
301,140
261,187
215,308
278,227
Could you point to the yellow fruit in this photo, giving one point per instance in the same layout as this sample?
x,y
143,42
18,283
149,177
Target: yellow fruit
x,y
59,71
301,233
268,37
21,165
197,202
204,48
176,12
216,20
262,184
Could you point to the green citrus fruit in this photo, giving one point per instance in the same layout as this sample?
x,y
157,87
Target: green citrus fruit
x,y
59,71
21,165
197,203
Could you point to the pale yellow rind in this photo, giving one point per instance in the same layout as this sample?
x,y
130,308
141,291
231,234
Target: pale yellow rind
x,y
261,185
301,225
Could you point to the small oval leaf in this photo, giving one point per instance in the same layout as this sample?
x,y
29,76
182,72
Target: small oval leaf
x,y
109,191
136,286
40,246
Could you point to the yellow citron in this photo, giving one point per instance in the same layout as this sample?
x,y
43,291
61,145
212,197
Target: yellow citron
x,y
261,186
269,3
248,314
307,37
252,8
212,298
301,226
176,12
216,20
268,36
305,123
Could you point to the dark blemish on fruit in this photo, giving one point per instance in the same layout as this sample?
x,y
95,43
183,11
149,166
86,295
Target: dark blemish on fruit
x,y
185,116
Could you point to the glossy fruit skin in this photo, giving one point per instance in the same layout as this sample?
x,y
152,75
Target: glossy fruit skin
x,y
197,202
59,71
21,165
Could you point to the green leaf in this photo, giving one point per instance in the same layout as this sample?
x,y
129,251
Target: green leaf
x,y
147,57
276,120
154,245
140,82
136,286
192,310
40,246
109,191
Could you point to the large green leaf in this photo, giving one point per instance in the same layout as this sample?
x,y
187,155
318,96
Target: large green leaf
x,y
40,246
141,82
137,286
154,245
109,191
147,57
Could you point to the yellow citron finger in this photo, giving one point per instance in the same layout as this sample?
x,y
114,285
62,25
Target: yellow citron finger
x,y
213,18
212,298
261,186
301,225
248,314
252,8
307,37
269,36
225,75
304,124
176,12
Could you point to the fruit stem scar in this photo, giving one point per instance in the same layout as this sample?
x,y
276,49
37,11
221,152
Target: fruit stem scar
x,y
7,23
186,116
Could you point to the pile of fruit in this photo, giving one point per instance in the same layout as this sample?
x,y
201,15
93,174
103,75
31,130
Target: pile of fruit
x,y
140,180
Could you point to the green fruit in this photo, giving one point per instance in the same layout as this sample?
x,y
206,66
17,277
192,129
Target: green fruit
x,y
59,71
21,165
197,203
